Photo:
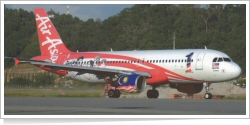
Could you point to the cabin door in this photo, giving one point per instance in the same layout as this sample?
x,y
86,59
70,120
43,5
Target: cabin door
x,y
199,61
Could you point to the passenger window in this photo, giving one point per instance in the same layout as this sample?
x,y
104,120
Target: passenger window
x,y
159,61
220,60
215,59
156,61
227,60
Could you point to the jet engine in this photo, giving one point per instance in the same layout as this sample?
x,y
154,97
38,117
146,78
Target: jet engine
x,y
139,82
188,88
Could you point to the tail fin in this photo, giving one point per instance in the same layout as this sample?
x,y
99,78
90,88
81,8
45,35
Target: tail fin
x,y
49,39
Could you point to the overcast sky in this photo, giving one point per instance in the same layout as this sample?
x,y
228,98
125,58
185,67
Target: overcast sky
x,y
95,9
83,11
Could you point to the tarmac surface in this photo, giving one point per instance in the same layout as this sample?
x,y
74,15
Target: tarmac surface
x,y
121,106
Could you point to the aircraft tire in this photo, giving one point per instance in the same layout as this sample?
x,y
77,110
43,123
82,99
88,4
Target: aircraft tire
x,y
117,93
208,96
149,93
111,93
156,93
152,94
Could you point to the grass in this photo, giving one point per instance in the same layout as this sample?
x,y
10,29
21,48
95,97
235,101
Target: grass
x,y
50,93
236,97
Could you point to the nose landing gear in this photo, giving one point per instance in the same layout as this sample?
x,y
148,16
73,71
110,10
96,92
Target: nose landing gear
x,y
208,95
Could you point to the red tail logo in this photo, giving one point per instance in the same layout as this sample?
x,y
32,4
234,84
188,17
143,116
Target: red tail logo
x,y
50,41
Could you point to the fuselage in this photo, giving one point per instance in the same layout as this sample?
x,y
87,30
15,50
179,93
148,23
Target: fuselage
x,y
165,66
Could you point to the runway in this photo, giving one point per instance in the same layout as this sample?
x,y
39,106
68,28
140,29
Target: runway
x,y
121,106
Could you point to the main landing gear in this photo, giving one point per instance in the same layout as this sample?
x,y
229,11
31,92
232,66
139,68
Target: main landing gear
x,y
114,93
153,93
208,95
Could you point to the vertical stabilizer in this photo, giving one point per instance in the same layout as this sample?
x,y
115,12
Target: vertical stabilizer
x,y
49,39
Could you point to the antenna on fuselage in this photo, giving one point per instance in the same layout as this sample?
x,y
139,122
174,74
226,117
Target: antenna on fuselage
x,y
205,48
111,49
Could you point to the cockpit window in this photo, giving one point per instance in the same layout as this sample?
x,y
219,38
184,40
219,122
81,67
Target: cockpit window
x,y
215,59
227,59
220,60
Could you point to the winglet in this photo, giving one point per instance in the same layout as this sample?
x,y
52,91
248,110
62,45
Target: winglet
x,y
17,61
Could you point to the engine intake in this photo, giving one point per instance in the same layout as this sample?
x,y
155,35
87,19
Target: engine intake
x,y
139,82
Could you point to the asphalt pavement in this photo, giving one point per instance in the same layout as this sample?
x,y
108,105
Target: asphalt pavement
x,y
121,106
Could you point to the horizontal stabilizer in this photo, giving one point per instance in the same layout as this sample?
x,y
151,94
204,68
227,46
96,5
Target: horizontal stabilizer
x,y
17,61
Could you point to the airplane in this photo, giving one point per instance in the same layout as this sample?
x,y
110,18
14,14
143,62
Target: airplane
x,y
187,70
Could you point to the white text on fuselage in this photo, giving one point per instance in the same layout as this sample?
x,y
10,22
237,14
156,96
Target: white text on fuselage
x,y
44,29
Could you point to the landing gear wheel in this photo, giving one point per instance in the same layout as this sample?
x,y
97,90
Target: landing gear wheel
x,y
156,94
111,93
208,96
152,94
117,93
149,93
114,93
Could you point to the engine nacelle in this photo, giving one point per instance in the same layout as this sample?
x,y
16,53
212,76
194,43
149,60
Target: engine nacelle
x,y
138,82
188,88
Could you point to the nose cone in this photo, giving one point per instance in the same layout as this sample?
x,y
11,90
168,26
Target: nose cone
x,y
237,70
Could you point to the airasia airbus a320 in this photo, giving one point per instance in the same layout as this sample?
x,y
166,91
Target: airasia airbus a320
x,y
187,70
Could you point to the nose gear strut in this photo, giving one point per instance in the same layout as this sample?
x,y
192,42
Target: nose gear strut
x,y
208,95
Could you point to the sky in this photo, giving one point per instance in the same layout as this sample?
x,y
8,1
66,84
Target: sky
x,y
82,11
91,9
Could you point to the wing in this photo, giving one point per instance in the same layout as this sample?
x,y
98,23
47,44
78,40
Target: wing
x,y
82,69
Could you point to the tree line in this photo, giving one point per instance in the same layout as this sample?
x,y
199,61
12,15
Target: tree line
x,y
141,27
